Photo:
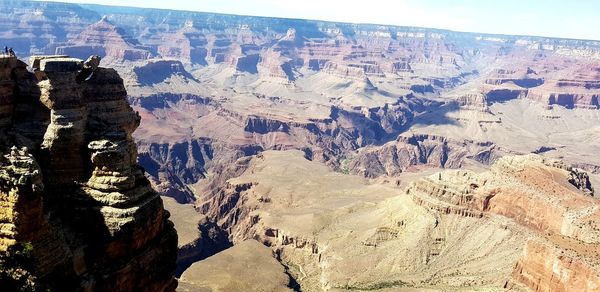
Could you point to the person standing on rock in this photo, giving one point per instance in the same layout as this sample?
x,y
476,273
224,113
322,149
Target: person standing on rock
x,y
11,52
5,50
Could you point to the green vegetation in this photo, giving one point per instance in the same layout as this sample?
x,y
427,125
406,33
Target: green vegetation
x,y
344,166
15,267
377,286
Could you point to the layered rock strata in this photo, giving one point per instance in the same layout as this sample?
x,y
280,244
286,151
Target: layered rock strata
x,y
340,232
70,186
409,150
560,264
107,40
543,194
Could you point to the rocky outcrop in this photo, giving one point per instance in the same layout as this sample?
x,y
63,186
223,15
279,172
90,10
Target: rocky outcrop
x,y
350,72
71,187
263,125
560,264
187,45
543,194
274,64
105,39
218,47
473,101
555,196
411,150
157,70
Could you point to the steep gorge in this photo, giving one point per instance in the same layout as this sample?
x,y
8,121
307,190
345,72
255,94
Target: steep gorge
x,y
303,135
185,155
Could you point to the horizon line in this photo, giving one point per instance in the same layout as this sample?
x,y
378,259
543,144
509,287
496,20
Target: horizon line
x,y
318,20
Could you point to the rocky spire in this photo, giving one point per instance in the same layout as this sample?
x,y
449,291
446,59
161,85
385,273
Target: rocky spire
x,y
71,190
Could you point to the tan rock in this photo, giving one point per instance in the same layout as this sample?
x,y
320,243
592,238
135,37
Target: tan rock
x,y
247,266
80,199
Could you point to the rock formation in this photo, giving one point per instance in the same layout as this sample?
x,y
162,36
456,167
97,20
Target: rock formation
x,y
338,231
540,194
411,150
220,94
178,160
551,80
152,72
70,186
187,45
106,40
271,74
559,264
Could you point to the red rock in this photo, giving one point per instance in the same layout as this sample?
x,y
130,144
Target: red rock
x,y
106,40
558,265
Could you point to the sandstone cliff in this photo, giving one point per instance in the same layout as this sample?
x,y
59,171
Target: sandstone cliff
x,y
560,264
70,187
543,194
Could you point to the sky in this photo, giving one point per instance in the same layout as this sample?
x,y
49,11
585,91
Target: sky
x,y
579,19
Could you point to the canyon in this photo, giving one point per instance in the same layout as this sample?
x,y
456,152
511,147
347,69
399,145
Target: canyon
x,y
330,156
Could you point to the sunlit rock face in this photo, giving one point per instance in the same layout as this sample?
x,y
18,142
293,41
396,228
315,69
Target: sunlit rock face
x,y
304,135
543,194
105,39
70,184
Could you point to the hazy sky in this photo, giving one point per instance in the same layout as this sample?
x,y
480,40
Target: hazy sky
x,y
557,18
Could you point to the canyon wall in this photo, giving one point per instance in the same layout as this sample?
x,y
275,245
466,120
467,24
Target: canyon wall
x,y
542,194
71,191
407,151
322,87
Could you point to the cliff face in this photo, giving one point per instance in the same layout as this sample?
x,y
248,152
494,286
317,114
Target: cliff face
x,y
105,39
178,158
544,195
410,150
558,265
70,186
345,232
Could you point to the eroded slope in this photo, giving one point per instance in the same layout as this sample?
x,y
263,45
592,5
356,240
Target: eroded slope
x,y
337,231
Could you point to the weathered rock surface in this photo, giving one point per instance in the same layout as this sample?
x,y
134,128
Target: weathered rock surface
x,y
338,232
549,79
221,88
106,40
560,264
70,183
545,188
175,160
271,74
157,71
411,150
187,45
540,194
